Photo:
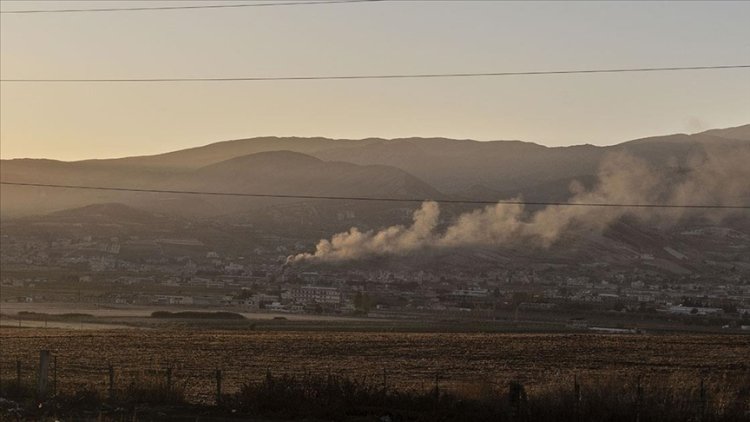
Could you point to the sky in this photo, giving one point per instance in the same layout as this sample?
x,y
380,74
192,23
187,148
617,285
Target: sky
x,y
79,121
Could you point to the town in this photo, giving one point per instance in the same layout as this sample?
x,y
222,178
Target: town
x,y
90,270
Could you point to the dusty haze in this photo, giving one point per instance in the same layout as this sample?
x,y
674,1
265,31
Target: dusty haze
x,y
719,176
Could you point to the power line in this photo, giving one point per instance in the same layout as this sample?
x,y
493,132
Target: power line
x,y
211,6
376,199
391,76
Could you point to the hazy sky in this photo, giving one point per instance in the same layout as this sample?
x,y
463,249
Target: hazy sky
x,y
76,121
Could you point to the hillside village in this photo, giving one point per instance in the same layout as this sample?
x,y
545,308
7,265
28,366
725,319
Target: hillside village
x,y
96,271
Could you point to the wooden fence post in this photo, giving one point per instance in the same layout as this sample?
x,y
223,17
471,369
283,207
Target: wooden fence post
x,y
18,372
576,398
517,398
384,397
702,414
329,387
43,381
218,387
169,378
54,375
111,389
638,399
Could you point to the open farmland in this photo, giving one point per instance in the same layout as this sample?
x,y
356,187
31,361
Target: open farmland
x,y
411,360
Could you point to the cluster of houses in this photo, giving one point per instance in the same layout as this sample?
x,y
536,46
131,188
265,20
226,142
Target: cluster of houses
x,y
261,281
294,299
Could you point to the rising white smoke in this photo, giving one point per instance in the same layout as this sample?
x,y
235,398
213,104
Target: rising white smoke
x,y
720,176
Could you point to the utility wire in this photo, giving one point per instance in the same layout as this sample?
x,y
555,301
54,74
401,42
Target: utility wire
x,y
376,199
392,76
211,6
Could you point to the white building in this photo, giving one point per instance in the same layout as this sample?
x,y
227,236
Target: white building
x,y
172,300
316,294
471,292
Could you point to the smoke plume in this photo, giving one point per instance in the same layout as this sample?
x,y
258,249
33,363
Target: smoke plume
x,y
719,176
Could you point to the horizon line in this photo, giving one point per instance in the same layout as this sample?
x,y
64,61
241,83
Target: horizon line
x,y
400,138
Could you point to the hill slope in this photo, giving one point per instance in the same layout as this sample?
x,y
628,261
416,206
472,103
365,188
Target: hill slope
x,y
269,172
418,167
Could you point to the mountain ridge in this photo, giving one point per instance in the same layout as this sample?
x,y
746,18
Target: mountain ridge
x,y
421,167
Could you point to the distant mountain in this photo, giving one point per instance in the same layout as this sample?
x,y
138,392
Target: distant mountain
x,y
738,132
454,166
408,167
294,173
100,219
431,168
193,158
514,167
104,213
283,172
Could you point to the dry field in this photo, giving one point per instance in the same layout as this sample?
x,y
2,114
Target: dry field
x,y
410,360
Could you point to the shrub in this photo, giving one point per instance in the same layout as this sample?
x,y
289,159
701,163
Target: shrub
x,y
149,391
13,390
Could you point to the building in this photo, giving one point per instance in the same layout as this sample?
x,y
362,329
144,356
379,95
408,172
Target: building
x,y
472,292
316,294
172,300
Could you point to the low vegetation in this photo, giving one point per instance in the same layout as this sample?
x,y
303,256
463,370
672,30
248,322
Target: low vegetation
x,y
42,316
368,375
196,315
338,398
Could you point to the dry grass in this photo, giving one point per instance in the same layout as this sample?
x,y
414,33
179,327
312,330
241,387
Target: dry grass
x,y
332,397
470,365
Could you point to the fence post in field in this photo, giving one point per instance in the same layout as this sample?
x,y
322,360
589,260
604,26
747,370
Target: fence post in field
x,y
576,398
18,372
169,378
329,387
385,386
702,413
437,386
218,387
111,387
516,398
638,399
43,381
54,375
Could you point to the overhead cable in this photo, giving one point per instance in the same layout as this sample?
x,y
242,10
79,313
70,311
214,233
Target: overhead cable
x,y
378,199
